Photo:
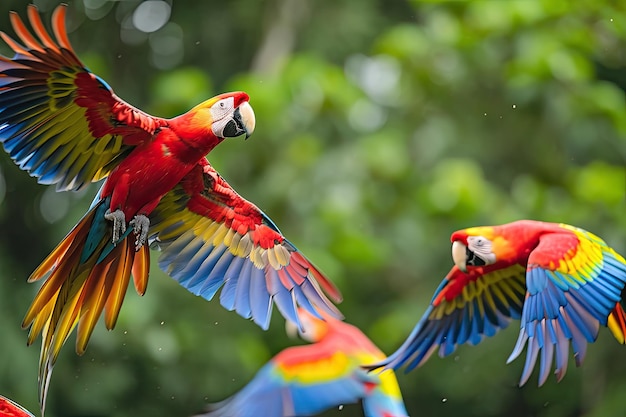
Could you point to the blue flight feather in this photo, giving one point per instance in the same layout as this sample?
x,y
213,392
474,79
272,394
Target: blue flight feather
x,y
242,293
260,300
228,294
215,279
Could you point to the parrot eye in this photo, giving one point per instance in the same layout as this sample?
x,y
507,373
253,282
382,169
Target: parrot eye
x,y
222,108
480,249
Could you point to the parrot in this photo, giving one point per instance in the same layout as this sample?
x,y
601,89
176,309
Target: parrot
x,y
306,380
9,408
65,126
561,281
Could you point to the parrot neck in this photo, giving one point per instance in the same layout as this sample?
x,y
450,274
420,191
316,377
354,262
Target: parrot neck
x,y
193,135
513,242
525,232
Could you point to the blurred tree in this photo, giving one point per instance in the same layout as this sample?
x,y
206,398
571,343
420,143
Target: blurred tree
x,y
382,127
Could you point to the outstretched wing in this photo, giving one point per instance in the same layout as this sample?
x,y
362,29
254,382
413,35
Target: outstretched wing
x,y
574,282
299,381
465,308
58,121
9,408
211,236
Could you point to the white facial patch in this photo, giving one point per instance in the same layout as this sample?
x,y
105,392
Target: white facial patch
x,y
222,109
482,247
221,113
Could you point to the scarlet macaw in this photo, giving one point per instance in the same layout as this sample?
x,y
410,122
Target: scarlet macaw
x,y
9,408
561,281
65,126
306,380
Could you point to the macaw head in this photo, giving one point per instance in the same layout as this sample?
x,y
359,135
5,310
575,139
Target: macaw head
x,y
476,246
228,115
313,328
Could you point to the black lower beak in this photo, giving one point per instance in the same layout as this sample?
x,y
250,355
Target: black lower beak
x,y
235,126
473,259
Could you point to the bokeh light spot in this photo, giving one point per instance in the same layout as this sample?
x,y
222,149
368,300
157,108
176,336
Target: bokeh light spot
x,y
54,205
151,15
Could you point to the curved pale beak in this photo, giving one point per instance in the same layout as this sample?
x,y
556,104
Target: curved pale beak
x,y
459,255
246,118
242,121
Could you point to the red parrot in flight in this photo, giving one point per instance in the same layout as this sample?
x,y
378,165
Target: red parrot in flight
x,y
306,380
561,281
65,126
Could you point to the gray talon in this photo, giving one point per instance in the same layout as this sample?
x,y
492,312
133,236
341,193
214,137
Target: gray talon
x,y
119,223
141,224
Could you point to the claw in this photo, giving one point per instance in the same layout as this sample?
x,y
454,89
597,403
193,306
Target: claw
x,y
141,224
119,223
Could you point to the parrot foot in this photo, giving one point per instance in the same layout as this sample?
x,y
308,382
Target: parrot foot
x,y
141,224
119,223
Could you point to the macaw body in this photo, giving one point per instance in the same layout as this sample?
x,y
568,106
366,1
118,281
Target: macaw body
x,y
561,281
65,126
306,380
9,408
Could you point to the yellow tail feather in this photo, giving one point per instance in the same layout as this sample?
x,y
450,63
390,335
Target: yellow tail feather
x,y
63,326
93,303
40,321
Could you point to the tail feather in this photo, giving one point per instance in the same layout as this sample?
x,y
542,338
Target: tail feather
x,y
140,269
45,372
40,321
64,267
119,286
110,287
46,356
79,283
617,323
93,303
58,253
62,327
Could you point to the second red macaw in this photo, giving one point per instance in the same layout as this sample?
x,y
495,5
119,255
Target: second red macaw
x,y
561,281
306,380
65,126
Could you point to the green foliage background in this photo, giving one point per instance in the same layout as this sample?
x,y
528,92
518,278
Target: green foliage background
x,y
382,126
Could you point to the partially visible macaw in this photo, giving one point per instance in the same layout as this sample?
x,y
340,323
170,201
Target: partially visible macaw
x,y
306,380
65,126
9,408
561,281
